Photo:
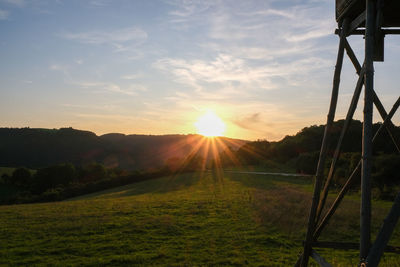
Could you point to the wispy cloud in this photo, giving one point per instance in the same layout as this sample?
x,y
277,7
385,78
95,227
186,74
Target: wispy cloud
x,y
107,108
64,69
223,69
99,3
18,3
105,116
131,76
248,122
229,71
186,9
120,39
254,29
3,14
101,37
58,67
130,90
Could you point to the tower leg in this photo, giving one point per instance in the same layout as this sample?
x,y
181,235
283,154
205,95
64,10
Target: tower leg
x,y
322,157
365,213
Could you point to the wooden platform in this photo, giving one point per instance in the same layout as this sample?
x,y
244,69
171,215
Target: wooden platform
x,y
353,8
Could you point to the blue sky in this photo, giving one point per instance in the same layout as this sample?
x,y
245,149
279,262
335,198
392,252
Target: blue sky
x,y
154,67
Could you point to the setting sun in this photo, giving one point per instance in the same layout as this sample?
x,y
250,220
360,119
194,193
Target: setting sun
x,y
210,125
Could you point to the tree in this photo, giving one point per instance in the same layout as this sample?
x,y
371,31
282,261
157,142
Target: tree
x,y
53,176
21,177
92,172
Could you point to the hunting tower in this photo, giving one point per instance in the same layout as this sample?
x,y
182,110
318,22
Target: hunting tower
x,y
372,19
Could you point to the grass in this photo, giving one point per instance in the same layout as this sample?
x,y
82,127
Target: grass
x,y
191,219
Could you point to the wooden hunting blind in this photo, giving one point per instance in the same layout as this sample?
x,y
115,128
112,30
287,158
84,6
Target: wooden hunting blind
x,y
351,9
373,19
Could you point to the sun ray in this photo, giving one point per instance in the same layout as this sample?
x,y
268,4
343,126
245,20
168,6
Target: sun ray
x,y
226,149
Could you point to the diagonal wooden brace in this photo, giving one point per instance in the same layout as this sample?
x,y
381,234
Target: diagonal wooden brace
x,y
324,147
377,102
353,175
336,155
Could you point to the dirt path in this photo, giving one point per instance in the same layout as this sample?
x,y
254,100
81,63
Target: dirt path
x,y
270,173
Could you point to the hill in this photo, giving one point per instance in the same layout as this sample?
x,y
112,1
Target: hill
x,y
198,219
309,139
36,148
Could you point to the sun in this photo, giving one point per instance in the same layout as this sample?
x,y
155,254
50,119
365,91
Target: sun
x,y
210,125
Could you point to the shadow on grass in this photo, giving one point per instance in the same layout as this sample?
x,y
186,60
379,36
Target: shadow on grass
x,y
154,186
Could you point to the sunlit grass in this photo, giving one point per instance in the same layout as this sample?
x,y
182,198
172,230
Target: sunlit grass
x,y
205,218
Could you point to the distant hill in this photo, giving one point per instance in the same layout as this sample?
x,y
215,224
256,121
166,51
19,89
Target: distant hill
x,y
35,148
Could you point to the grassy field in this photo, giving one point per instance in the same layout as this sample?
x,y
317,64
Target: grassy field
x,y
198,219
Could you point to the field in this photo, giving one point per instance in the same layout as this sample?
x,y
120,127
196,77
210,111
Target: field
x,y
210,218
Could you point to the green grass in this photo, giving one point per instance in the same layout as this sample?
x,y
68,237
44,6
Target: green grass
x,y
194,219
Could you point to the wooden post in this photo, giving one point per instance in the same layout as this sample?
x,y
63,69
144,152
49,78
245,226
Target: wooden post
x,y
322,157
365,212
349,117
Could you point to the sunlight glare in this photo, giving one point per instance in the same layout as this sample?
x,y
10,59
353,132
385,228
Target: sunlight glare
x,y
210,125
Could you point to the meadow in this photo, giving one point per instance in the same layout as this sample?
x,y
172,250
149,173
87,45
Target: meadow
x,y
192,219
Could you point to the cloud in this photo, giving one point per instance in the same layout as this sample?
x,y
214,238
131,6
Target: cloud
x,y
58,67
272,12
117,117
64,69
131,90
3,14
106,107
227,71
249,121
186,9
253,44
18,3
99,3
254,29
120,39
131,76
223,69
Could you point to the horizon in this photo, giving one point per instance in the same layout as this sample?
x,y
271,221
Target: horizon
x,y
126,134
156,68
184,134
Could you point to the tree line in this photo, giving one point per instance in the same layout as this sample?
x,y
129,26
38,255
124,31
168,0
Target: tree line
x,y
62,181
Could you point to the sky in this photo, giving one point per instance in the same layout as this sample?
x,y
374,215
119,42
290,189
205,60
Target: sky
x,y
154,67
